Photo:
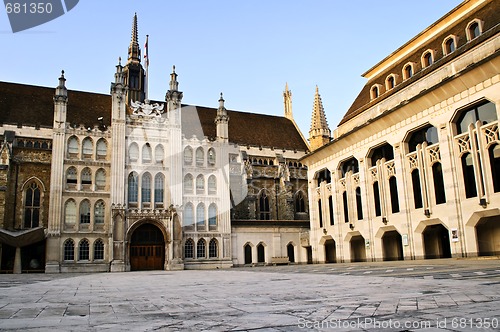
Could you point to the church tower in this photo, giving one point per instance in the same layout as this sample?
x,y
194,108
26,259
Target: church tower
x,y
319,134
134,75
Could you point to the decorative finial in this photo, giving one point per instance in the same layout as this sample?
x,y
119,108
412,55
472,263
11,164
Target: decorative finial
x,y
62,73
119,61
173,69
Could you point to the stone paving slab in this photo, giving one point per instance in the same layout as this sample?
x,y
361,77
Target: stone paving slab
x,y
245,300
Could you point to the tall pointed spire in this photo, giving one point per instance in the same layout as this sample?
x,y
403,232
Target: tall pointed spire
x,y
287,98
319,134
134,53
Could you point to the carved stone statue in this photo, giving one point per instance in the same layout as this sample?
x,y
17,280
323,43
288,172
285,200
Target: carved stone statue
x,y
146,108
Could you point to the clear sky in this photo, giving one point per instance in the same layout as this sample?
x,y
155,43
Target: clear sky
x,y
246,49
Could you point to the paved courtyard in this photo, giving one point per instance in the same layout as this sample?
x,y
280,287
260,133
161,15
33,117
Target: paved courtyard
x,y
445,295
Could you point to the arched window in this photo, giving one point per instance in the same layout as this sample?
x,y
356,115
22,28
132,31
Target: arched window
x,y
71,177
87,147
146,190
99,210
393,188
98,250
159,154
359,205
146,153
133,152
69,250
101,149
100,179
83,252
264,210
200,184
86,177
345,202
70,212
417,189
73,146
484,113
473,30
469,176
494,153
320,214
200,217
213,249
188,183
261,253
211,156
189,249
374,92
439,191
300,203
201,249
449,46
212,216
384,152
390,82
407,71
376,199
427,59
85,212
323,176
188,156
159,189
200,156
427,134
350,165
330,207
32,203
188,215
212,185
133,187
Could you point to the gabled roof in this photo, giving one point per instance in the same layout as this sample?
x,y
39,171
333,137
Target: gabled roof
x,y
489,14
22,104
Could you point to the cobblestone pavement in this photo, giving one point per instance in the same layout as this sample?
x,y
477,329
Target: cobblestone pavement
x,y
288,298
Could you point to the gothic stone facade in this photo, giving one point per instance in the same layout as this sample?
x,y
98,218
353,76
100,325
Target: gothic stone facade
x,y
93,182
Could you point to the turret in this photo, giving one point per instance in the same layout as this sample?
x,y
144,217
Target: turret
x,y
319,134
222,121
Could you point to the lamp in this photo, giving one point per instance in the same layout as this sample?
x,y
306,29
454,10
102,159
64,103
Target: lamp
x,y
483,202
384,220
351,226
427,213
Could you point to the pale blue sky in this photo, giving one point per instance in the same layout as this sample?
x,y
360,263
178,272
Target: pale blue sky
x,y
246,49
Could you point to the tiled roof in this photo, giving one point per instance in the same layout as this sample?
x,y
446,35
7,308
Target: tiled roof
x,y
489,14
34,105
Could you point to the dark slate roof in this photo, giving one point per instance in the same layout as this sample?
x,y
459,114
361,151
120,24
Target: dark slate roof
x,y
246,128
34,105
490,14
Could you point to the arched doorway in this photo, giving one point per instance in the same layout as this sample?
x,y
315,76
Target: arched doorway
x,y
261,256
358,251
147,248
248,253
392,246
436,242
488,236
330,251
290,249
